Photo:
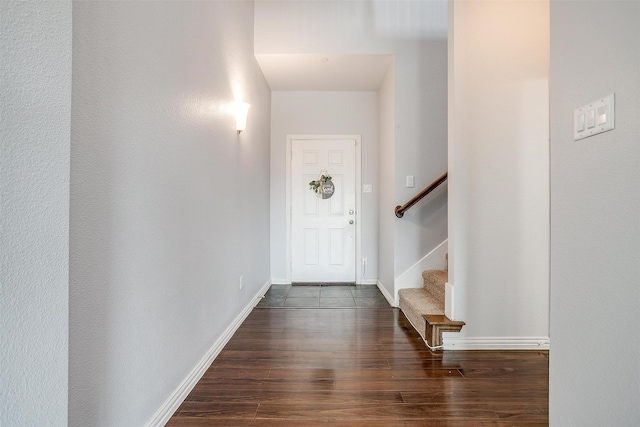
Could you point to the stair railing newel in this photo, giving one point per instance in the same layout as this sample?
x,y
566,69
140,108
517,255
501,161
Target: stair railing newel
x,y
323,186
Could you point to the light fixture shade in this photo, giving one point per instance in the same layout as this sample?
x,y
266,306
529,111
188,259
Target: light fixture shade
x,y
241,116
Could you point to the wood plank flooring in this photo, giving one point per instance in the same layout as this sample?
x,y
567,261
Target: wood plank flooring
x,y
360,367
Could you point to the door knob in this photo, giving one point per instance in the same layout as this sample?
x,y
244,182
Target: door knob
x,y
351,212
350,221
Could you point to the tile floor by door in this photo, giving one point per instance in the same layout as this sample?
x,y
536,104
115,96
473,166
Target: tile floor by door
x,y
323,296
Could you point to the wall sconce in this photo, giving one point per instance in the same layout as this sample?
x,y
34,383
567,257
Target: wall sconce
x,y
241,116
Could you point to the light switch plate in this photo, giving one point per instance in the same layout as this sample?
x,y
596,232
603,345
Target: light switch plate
x,y
594,118
410,181
368,188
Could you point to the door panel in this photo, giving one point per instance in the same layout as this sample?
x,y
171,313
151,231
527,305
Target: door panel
x,y
323,230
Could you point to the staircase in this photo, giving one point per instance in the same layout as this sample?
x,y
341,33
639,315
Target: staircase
x,y
424,307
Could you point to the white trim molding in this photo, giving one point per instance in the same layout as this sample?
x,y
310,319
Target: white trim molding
x,y
434,260
386,294
169,407
449,299
358,251
495,343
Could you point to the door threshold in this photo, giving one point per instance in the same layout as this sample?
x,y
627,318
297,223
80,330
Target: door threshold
x,y
323,283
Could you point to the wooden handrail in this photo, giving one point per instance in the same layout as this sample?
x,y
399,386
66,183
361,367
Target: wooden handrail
x,y
400,210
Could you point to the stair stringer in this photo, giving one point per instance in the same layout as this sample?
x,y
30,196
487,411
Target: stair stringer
x,y
412,277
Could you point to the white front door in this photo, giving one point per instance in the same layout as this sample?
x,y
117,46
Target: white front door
x,y
323,230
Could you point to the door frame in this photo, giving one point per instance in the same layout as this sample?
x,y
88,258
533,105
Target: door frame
x,y
358,191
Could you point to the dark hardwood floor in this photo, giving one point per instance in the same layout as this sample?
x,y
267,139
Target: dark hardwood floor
x,y
360,367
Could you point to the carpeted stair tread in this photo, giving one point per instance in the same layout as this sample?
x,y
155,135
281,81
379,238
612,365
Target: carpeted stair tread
x,y
433,283
424,308
414,303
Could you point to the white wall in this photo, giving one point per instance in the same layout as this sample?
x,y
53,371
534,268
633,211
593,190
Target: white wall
x,y
499,212
386,183
415,33
420,148
595,218
339,113
35,111
169,206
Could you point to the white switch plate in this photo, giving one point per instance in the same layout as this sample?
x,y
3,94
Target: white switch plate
x,y
594,118
410,181
368,188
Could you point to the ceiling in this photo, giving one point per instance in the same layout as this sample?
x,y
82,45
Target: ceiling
x,y
315,72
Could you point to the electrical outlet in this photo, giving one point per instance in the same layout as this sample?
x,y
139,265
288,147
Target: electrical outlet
x,y
241,282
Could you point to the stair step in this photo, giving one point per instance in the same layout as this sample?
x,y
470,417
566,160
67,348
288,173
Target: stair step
x,y
436,324
433,283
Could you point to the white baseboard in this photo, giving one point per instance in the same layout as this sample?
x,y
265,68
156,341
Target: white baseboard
x,y
257,298
386,294
495,343
169,407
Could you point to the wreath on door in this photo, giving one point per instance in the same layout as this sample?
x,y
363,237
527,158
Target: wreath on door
x,y
323,186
